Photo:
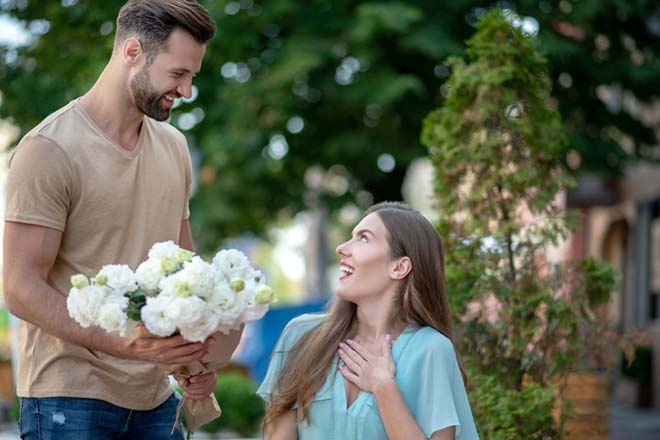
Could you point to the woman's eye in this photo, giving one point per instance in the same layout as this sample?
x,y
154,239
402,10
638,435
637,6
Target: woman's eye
x,y
363,238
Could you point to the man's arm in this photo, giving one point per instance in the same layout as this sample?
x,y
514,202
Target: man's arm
x,y
29,254
185,236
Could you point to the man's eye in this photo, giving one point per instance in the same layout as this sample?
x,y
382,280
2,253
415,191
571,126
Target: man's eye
x,y
177,75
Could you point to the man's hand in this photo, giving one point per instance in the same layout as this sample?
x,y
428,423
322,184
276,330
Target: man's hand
x,y
170,350
198,387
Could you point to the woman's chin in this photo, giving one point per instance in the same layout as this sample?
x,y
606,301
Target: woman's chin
x,y
341,293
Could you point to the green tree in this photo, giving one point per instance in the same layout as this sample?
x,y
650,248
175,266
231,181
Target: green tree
x,y
298,100
497,147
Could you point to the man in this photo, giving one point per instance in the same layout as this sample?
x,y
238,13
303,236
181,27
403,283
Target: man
x,y
98,182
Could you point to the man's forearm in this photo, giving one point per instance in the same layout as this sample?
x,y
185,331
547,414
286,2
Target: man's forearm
x,y
45,307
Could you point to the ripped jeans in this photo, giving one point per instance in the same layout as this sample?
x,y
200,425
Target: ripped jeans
x,y
67,418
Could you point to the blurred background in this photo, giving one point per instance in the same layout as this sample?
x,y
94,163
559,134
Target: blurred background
x,y
306,113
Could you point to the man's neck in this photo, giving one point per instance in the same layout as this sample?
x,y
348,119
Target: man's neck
x,y
112,110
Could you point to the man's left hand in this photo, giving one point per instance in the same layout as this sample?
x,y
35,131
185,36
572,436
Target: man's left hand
x,y
198,387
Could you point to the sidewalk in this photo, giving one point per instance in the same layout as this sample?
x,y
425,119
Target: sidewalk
x,y
631,423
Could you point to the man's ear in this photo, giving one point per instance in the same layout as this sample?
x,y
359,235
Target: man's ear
x,y
132,51
399,269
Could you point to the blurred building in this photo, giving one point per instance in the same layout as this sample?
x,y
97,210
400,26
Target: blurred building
x,y
620,222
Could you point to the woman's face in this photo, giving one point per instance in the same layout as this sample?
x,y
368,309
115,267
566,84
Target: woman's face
x,y
365,261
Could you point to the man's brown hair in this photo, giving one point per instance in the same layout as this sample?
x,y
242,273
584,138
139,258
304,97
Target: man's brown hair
x,y
152,22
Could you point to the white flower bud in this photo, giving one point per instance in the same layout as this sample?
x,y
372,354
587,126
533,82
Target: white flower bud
x,y
264,294
79,281
237,284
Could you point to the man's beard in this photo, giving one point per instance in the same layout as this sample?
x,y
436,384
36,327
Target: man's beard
x,y
146,97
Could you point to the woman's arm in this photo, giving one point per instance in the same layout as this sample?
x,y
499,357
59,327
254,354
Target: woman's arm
x,y
284,428
375,374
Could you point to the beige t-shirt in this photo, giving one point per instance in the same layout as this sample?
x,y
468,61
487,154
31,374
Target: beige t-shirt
x,y
112,205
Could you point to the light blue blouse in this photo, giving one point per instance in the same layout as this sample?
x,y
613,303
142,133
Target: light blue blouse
x,y
427,374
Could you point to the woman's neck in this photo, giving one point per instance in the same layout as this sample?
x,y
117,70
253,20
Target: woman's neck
x,y
372,325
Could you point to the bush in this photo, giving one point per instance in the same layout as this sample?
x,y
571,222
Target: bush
x,y
507,414
242,409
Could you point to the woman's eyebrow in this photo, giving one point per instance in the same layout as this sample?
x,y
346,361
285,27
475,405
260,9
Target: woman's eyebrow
x,y
363,231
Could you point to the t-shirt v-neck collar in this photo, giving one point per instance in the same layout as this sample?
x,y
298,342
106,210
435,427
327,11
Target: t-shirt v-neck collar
x,y
124,152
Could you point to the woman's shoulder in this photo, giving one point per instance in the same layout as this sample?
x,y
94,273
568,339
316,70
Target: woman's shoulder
x,y
428,341
298,326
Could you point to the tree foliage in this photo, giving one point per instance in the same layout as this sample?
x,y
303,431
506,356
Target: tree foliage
x,y
497,147
298,101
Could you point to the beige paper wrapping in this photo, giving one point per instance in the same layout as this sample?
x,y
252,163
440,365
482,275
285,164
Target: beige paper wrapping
x,y
199,412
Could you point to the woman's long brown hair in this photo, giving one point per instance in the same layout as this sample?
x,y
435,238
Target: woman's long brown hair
x,y
422,301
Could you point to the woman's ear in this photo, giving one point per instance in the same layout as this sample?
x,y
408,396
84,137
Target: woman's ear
x,y
400,268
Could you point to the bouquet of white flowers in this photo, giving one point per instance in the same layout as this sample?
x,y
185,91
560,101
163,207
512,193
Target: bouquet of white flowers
x,y
173,290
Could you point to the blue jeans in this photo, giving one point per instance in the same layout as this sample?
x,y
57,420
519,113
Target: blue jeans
x,y
67,418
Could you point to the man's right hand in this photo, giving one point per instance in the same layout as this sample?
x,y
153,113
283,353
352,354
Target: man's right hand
x,y
170,350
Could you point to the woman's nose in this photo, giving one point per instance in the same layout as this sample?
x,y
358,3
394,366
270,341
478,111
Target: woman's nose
x,y
341,250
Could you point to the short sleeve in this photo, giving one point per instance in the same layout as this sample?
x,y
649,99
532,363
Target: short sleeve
x,y
439,405
293,331
189,182
39,184
268,386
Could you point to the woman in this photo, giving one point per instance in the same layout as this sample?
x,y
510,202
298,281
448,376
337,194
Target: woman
x,y
380,364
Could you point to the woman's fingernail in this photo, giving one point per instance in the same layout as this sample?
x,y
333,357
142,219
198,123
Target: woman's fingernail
x,y
341,344
341,352
349,341
388,338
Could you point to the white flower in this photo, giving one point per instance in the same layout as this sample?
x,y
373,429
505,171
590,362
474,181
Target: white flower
x,y
112,314
120,278
84,304
185,293
223,297
227,304
199,275
202,328
149,274
252,310
154,316
165,249
185,311
168,286
254,313
258,276
232,263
